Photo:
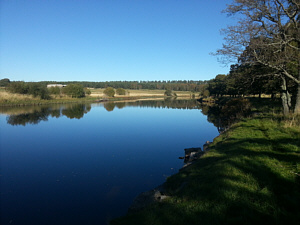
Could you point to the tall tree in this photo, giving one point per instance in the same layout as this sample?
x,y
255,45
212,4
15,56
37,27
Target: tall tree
x,y
74,90
267,33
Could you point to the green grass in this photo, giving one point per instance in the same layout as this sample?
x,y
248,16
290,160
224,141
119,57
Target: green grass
x,y
251,175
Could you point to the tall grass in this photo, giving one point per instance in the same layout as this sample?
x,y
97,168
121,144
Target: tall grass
x,y
6,97
13,99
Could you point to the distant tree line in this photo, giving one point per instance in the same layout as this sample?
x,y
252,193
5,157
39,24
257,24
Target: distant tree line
x,y
75,88
175,85
39,89
29,88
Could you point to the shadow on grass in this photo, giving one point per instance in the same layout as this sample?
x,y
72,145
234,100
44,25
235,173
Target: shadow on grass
x,y
240,181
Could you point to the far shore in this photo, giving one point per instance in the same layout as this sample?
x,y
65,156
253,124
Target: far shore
x,y
9,99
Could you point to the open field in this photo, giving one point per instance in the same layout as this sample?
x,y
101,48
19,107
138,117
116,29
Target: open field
x,y
251,175
140,93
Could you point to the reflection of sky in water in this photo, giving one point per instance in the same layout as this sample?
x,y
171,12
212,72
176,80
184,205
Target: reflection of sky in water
x,y
88,170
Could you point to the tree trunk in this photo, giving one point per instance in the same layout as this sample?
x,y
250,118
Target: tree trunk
x,y
297,106
272,96
285,97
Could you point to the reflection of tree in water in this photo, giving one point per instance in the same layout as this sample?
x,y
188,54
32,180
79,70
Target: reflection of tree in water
x,y
38,114
221,115
120,105
167,103
227,112
55,113
29,118
76,111
213,113
109,106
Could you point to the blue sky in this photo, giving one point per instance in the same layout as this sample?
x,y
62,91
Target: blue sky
x,y
106,40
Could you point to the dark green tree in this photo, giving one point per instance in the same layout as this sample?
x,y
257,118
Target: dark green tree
x,y
4,82
18,87
37,89
217,86
74,90
267,34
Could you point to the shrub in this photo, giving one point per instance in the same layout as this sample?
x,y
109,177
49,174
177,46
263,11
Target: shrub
x,y
18,87
54,90
109,91
121,91
168,92
87,91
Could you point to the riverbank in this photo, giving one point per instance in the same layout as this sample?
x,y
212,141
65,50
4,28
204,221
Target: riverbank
x,y
10,99
251,175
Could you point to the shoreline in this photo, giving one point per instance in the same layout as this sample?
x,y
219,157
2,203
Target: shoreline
x,y
34,102
65,101
250,172
159,193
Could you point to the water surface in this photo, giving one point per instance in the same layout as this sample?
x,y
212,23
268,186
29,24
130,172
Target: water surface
x,y
84,164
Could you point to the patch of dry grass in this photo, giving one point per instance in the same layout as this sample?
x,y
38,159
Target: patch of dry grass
x,y
292,121
11,97
140,93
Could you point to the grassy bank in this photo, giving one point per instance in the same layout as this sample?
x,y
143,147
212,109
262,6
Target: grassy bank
x,y
251,175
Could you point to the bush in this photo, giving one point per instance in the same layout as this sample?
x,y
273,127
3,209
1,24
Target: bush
x,y
74,90
87,91
54,90
168,92
109,91
121,91
18,87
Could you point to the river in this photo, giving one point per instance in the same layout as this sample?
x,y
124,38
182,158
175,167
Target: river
x,y
85,163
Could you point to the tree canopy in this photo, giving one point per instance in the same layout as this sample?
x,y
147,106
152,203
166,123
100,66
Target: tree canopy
x,y
30,88
74,90
267,34
4,82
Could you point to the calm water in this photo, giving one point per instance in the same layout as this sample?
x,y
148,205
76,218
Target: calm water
x,y
84,164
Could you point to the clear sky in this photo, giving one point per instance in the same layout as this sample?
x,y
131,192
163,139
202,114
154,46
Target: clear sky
x,y
109,40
